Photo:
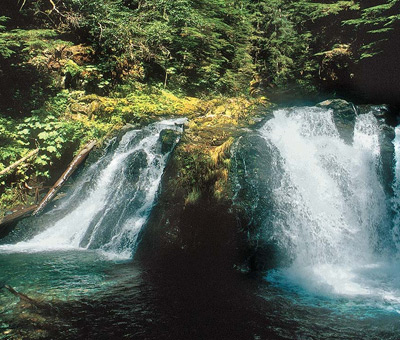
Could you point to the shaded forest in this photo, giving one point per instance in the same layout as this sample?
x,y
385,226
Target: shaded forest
x,y
215,46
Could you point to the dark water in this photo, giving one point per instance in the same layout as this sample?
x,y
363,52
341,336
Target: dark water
x,y
91,298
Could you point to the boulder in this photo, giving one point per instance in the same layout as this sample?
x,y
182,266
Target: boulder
x,y
344,115
80,108
343,109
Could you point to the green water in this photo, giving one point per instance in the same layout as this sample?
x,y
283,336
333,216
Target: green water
x,y
48,277
82,295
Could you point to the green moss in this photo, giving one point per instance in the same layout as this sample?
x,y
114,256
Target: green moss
x,y
193,196
203,156
34,41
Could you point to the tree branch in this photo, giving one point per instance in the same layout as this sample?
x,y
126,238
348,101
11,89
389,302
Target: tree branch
x,y
14,165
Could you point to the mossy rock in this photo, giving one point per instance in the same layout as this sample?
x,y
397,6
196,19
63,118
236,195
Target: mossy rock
x,y
168,139
342,109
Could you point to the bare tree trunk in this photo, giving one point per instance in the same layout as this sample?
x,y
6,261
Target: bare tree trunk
x,y
79,158
165,79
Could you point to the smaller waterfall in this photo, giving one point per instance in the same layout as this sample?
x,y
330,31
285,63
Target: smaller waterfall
x,y
112,199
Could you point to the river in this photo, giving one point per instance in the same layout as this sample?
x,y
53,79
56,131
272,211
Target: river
x,y
321,193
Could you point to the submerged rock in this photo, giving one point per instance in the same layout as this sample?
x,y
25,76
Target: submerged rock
x,y
135,164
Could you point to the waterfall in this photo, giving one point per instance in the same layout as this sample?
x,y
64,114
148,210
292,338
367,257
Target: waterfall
x,y
328,208
329,187
396,190
112,200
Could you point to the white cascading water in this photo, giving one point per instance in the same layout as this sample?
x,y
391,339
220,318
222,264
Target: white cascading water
x,y
331,214
396,190
111,213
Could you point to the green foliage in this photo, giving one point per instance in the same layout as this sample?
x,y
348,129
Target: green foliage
x,y
377,23
7,45
214,46
281,49
199,45
29,43
318,10
44,130
25,79
9,138
53,132
131,51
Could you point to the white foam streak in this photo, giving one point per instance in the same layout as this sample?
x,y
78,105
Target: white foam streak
x,y
396,190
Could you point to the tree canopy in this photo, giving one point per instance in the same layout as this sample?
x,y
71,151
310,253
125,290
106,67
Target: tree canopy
x,y
221,46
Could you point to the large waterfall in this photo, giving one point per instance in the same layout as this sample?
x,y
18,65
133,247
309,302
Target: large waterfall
x,y
326,206
112,199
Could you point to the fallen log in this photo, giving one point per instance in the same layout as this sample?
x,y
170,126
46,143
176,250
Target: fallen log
x,y
20,161
79,158
22,297
16,215
27,299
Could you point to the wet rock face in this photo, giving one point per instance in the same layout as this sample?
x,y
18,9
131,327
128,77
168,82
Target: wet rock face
x,y
204,232
168,139
386,137
137,161
387,160
343,109
387,122
344,116
255,175
216,233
